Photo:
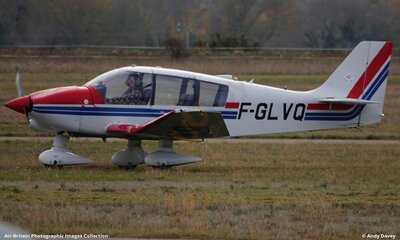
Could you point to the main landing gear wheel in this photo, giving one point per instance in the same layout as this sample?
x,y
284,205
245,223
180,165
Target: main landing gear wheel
x,y
59,155
131,157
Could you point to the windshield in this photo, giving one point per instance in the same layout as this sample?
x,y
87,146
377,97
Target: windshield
x,y
123,86
102,78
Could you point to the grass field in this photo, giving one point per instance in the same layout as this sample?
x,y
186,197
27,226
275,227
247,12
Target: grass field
x,y
239,190
324,191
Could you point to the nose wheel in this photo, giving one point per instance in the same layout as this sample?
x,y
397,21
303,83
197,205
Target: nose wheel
x,y
59,155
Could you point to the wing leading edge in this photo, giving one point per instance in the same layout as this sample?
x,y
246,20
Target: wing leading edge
x,y
175,126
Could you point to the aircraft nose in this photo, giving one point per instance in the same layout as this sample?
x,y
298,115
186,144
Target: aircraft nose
x,y
63,95
19,104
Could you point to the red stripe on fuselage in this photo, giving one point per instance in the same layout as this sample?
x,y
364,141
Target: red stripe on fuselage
x,y
318,106
371,71
232,105
327,106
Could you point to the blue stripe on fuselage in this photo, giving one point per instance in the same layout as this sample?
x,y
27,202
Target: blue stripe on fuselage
x,y
113,111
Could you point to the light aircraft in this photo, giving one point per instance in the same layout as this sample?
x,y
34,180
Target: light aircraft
x,y
155,103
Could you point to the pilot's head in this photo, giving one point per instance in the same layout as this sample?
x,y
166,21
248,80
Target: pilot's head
x,y
133,80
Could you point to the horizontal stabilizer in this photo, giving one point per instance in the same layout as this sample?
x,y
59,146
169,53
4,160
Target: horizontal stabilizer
x,y
349,101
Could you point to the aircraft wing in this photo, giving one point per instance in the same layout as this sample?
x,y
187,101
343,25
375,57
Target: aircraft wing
x,y
175,126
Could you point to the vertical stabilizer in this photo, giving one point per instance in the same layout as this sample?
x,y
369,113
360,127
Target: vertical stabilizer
x,y
362,75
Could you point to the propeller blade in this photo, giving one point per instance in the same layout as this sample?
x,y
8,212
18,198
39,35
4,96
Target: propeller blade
x,y
20,90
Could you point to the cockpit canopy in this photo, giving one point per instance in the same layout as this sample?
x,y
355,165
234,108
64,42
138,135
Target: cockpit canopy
x,y
129,87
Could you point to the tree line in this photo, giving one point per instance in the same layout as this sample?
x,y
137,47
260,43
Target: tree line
x,y
199,23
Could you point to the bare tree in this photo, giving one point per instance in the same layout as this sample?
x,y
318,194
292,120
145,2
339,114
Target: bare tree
x,y
296,23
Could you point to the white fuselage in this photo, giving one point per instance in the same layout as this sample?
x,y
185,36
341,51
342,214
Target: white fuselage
x,y
251,109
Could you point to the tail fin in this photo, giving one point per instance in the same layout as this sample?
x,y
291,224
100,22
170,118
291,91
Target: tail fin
x,y
363,76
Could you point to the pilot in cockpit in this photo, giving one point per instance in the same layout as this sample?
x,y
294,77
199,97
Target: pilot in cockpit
x,y
135,92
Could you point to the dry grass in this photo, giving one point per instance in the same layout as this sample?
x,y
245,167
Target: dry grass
x,y
242,65
207,64
239,191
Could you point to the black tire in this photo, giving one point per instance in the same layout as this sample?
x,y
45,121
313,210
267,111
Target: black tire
x,y
52,166
128,168
163,167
